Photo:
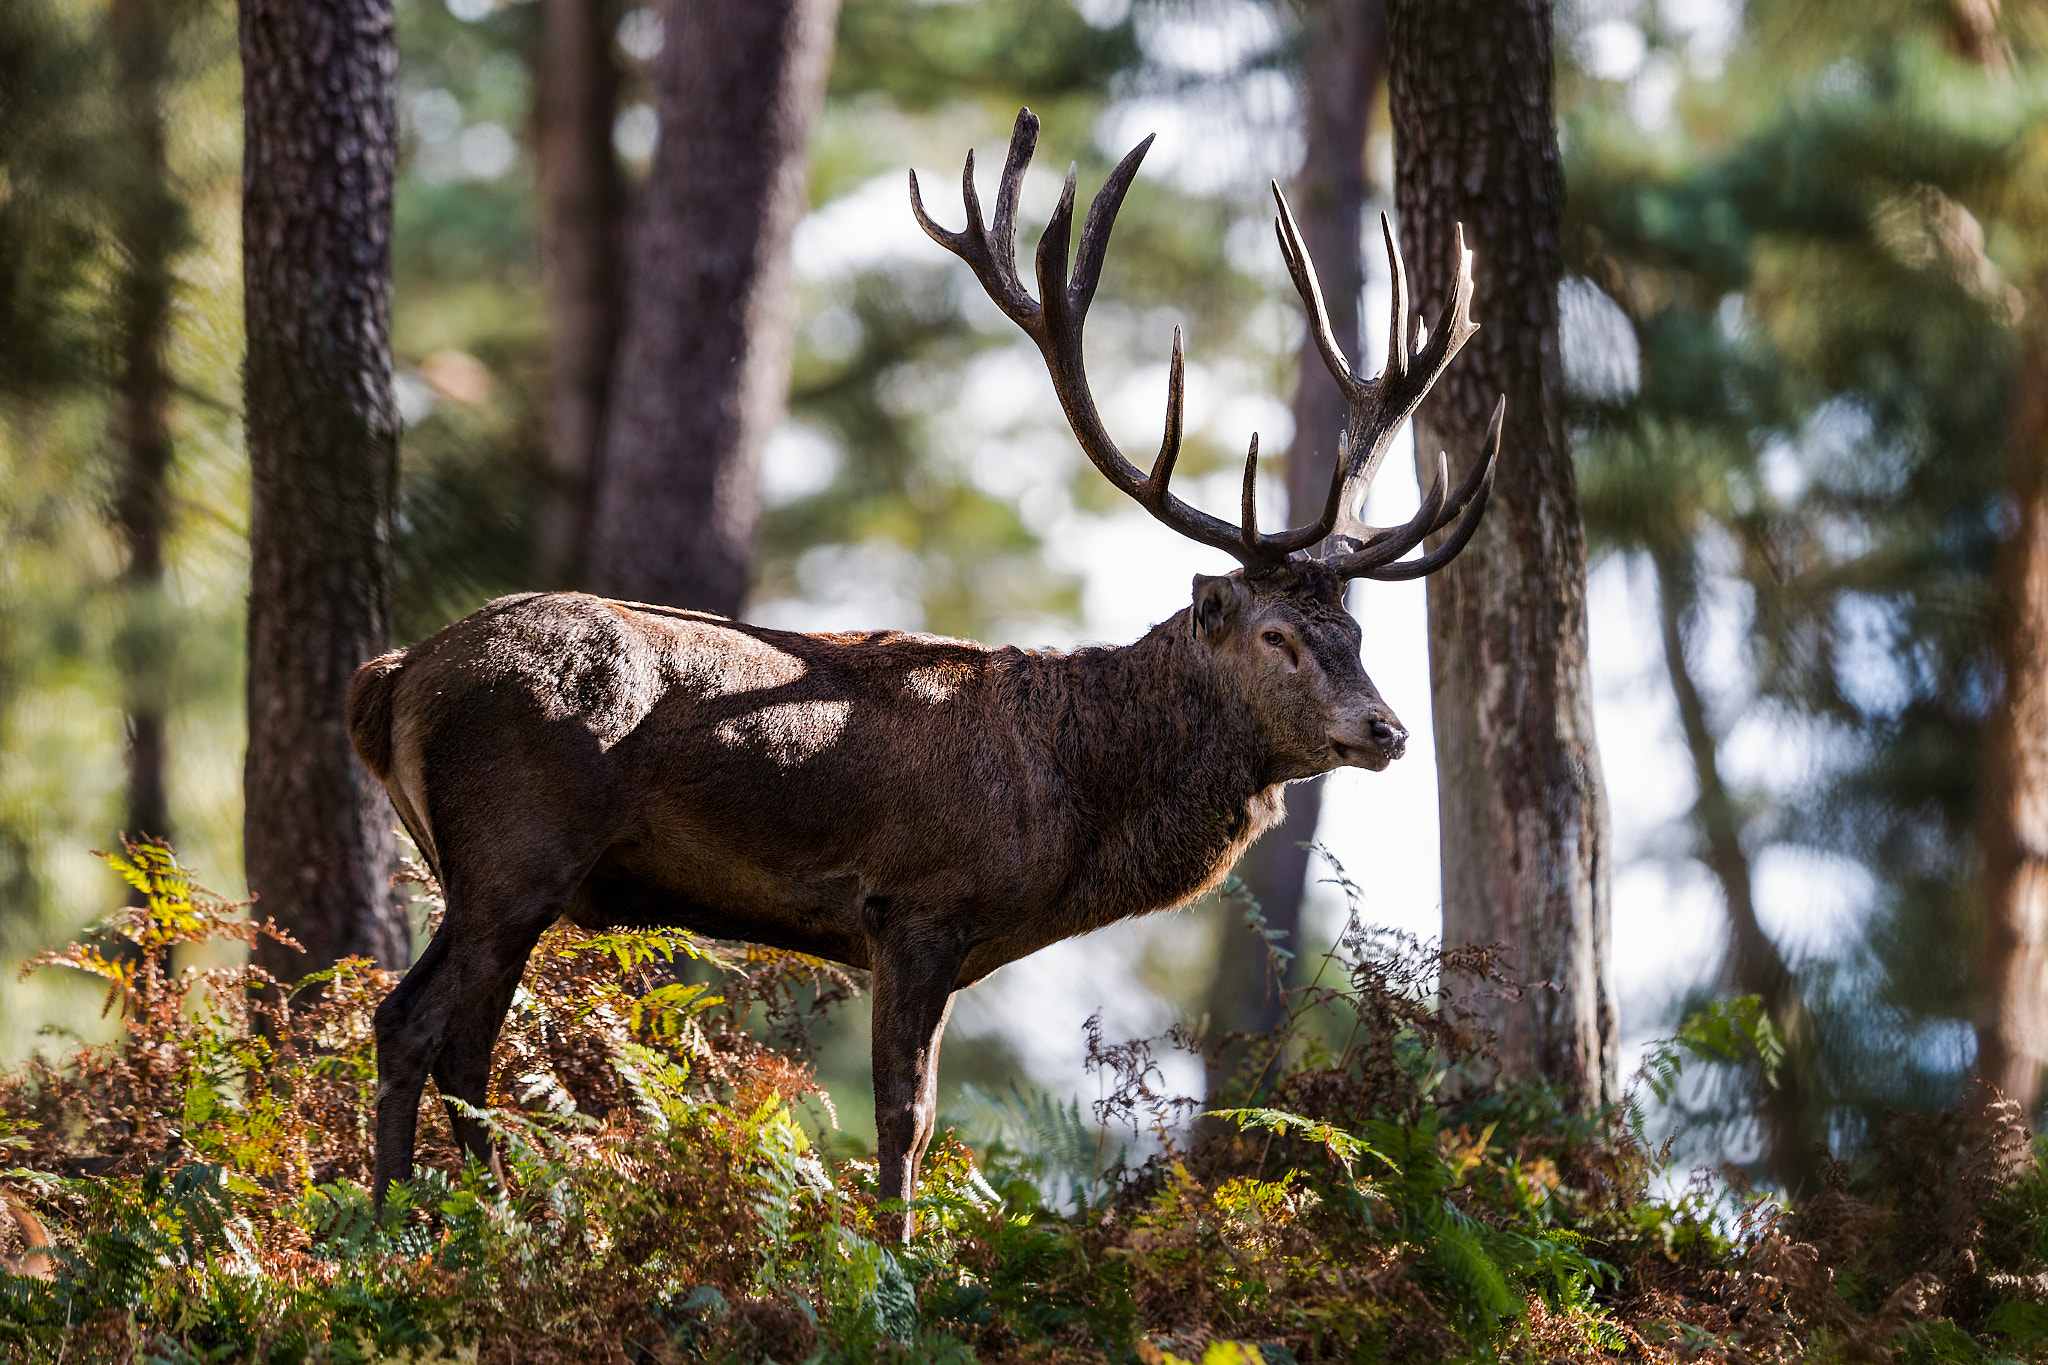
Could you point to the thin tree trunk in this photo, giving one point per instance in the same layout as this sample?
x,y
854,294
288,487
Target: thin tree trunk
x,y
1754,966
1522,809
150,223
703,367
2012,1034
583,200
318,163
2012,821
1343,58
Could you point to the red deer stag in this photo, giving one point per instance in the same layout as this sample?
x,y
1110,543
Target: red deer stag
x,y
925,808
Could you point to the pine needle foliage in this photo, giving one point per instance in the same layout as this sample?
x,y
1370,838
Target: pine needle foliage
x,y
197,1190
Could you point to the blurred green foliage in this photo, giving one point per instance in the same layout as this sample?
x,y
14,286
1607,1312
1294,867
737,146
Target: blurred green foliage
x,y
1823,258
68,180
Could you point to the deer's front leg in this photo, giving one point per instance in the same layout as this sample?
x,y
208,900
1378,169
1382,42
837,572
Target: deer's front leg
x,y
913,983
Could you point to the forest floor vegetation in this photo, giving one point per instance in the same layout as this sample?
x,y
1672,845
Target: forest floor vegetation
x,y
197,1189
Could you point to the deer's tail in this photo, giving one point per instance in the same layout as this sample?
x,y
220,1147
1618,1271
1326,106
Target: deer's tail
x,y
369,711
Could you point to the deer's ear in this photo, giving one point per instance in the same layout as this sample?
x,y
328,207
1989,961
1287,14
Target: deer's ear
x,y
1215,607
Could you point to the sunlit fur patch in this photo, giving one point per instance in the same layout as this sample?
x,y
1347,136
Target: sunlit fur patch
x,y
712,663
786,733
935,683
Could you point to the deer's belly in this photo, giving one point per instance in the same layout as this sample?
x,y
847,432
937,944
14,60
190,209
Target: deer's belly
x,y
727,901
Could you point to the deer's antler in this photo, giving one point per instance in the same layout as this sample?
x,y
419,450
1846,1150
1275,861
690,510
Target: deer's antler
x,y
1377,406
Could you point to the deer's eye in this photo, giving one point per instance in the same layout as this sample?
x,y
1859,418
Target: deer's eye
x,y
1275,639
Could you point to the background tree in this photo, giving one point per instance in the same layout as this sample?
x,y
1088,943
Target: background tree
x,y
704,361
150,226
2012,825
2012,1037
1655,478
578,82
321,144
1523,815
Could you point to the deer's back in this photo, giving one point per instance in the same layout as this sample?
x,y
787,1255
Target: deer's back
x,y
754,783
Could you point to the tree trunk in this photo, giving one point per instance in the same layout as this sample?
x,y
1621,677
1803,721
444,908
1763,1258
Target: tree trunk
x,y
583,200
1755,967
1523,814
1343,56
150,224
318,161
2012,822
2012,1034
703,367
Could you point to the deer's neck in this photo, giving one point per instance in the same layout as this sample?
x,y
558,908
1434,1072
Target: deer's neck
x,y
1156,770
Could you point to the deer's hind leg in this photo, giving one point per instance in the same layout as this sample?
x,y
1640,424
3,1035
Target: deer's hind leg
x,y
444,1017
463,1071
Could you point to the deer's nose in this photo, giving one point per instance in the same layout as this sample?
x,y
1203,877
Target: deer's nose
x,y
1390,735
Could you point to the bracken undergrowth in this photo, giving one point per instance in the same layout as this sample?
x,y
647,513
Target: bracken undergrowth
x,y
197,1189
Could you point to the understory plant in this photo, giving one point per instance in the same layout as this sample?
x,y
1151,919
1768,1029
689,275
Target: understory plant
x,y
197,1189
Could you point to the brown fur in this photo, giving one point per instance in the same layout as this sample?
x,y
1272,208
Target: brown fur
x,y
927,808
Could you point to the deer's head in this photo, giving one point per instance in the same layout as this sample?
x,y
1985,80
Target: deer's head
x,y
1282,645
1278,624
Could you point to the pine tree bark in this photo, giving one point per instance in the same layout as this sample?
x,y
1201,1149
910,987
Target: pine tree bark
x,y
1522,810
583,200
1343,59
1793,1129
2012,821
703,366
150,224
318,163
2012,1034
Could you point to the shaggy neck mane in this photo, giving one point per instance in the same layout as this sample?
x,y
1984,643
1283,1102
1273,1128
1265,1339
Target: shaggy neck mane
x,y
1134,718
1152,755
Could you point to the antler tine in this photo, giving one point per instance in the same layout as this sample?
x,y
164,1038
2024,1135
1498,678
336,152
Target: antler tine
x,y
1302,268
1249,505
1397,329
1415,357
1456,503
1374,418
994,264
1101,222
1169,444
1023,142
1454,326
1475,476
1380,406
1063,321
1067,302
1370,563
